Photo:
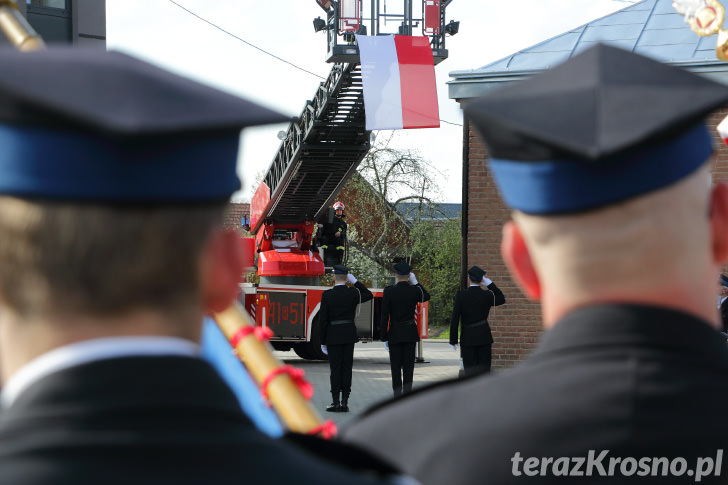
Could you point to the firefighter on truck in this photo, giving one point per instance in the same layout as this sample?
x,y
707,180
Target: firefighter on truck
x,y
332,237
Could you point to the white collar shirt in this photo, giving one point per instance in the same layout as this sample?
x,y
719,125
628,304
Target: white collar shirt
x,y
93,350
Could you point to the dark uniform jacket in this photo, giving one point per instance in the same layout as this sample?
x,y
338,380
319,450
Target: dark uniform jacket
x,y
637,381
145,420
338,308
472,307
724,314
399,303
329,230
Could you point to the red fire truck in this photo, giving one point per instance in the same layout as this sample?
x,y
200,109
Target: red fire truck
x,y
291,312
319,152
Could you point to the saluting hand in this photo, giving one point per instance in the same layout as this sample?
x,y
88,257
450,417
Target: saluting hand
x,y
351,278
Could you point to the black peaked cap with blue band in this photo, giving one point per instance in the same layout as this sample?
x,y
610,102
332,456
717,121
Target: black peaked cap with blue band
x,y
604,126
88,124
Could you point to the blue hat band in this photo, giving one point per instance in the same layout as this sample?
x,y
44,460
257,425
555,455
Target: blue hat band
x,y
560,186
78,166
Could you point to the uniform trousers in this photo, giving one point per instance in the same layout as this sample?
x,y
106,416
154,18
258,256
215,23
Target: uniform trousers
x,y
402,362
476,358
333,256
341,361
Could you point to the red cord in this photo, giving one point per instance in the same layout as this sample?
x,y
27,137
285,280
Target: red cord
x,y
327,429
296,375
261,333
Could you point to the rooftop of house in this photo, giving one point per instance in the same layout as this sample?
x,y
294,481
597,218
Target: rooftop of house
x,y
412,210
651,27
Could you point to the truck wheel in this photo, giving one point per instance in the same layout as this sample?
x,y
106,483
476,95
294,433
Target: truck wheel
x,y
281,346
302,350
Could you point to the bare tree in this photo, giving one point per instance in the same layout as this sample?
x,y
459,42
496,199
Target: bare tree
x,y
399,175
386,178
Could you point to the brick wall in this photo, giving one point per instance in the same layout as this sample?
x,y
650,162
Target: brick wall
x,y
720,169
517,324
720,166
234,215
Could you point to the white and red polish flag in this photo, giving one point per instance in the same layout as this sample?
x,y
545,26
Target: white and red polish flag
x,y
723,129
398,74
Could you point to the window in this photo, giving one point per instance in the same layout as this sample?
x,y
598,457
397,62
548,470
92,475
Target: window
x,y
51,19
48,3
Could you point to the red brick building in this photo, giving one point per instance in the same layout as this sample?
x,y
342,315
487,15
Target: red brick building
x,y
655,30
236,215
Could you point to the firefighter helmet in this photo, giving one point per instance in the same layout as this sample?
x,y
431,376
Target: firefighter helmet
x,y
338,206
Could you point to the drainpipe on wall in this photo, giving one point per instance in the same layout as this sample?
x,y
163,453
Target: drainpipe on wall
x,y
464,212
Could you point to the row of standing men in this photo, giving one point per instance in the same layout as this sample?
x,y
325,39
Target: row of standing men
x,y
398,327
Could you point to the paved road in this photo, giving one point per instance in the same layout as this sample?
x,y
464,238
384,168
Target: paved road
x,y
371,379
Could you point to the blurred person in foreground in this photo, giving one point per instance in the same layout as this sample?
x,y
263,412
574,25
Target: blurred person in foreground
x,y
114,176
617,232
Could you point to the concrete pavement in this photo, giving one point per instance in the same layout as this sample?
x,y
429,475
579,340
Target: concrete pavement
x,y
371,378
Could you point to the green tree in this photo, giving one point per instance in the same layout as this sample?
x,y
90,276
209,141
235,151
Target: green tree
x,y
370,272
380,232
436,249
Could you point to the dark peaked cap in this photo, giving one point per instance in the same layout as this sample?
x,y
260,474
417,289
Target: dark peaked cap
x,y
402,268
620,112
476,274
598,103
116,93
88,124
340,269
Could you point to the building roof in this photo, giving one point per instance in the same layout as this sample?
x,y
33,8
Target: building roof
x,y
651,27
433,212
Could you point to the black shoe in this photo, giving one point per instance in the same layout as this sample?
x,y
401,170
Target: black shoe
x,y
334,407
344,406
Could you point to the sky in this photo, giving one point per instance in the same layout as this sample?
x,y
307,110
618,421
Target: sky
x,y
221,43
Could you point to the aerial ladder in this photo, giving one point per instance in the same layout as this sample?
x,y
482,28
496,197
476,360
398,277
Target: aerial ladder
x,y
321,149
